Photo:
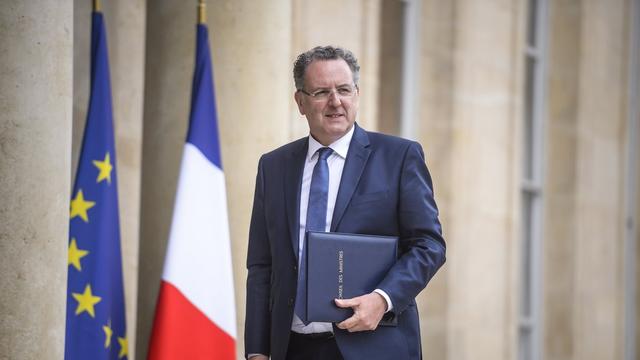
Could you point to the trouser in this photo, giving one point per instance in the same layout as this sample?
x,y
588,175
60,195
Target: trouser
x,y
321,346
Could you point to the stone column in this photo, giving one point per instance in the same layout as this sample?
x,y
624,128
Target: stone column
x,y
637,222
561,179
484,177
35,147
125,23
250,46
599,236
434,130
390,92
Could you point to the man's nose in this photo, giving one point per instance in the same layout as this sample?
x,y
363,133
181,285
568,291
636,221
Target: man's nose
x,y
334,99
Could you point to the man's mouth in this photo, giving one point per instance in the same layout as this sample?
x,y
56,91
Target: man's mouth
x,y
334,116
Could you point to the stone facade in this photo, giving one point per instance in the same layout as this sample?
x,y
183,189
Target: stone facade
x,y
469,120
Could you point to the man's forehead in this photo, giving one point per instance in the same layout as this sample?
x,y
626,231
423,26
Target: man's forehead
x,y
328,72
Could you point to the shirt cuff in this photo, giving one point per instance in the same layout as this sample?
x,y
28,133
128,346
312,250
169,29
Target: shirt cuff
x,y
253,355
386,298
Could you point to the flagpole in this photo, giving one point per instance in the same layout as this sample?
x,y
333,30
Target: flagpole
x,y
202,13
96,6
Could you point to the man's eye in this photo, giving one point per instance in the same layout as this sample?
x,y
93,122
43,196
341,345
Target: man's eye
x,y
321,93
344,91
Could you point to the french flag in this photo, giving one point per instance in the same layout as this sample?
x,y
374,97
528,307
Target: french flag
x,y
195,314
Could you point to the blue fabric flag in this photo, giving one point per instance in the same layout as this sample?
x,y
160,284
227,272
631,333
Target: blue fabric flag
x,y
203,124
96,326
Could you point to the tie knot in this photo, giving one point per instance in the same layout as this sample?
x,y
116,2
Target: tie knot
x,y
324,153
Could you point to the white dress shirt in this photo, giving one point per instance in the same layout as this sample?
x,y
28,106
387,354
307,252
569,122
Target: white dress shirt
x,y
335,161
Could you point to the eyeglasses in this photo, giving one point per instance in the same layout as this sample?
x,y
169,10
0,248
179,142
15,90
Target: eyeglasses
x,y
343,92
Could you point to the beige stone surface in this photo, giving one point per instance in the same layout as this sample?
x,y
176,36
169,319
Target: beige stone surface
x,y
390,67
252,81
35,144
637,243
598,301
434,130
127,34
125,24
561,180
481,222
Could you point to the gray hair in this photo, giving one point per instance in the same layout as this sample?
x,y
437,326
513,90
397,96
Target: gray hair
x,y
324,53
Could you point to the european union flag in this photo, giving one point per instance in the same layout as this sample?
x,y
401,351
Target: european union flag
x,y
96,326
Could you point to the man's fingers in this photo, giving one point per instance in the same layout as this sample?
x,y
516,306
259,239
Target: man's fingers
x,y
368,310
349,324
346,303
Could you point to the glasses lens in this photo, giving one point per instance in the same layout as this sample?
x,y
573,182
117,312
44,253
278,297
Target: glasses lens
x,y
325,94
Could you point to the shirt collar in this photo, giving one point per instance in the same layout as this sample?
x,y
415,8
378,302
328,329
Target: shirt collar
x,y
340,146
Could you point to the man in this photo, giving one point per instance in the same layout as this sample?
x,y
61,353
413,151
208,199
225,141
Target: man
x,y
367,183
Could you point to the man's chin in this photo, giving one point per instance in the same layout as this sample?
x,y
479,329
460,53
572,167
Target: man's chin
x,y
338,129
336,134
331,132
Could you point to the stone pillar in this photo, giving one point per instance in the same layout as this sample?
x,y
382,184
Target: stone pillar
x,y
484,178
125,23
390,92
252,75
637,222
127,34
35,168
434,130
559,252
599,236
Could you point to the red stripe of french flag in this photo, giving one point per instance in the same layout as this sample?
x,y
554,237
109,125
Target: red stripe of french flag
x,y
184,332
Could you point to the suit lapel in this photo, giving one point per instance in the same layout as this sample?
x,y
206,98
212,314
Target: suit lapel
x,y
292,184
354,165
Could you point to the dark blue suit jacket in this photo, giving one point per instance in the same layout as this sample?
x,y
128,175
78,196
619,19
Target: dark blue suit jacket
x,y
385,189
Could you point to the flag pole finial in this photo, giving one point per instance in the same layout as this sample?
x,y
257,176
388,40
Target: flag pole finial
x,y
202,13
96,6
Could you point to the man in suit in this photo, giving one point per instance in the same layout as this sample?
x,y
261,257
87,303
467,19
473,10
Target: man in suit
x,y
367,183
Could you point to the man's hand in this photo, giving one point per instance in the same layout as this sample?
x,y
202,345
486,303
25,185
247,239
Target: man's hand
x,y
367,311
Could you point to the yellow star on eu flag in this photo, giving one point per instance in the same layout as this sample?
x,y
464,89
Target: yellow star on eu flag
x,y
107,335
105,168
124,347
79,206
76,254
86,301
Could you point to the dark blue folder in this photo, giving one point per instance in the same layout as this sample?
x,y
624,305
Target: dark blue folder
x,y
343,266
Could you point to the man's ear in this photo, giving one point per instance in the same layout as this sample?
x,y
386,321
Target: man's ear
x,y
299,97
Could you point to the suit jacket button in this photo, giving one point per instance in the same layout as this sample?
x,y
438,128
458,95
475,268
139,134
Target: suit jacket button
x,y
290,302
295,268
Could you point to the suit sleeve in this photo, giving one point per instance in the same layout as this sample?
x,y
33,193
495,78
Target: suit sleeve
x,y
258,318
421,245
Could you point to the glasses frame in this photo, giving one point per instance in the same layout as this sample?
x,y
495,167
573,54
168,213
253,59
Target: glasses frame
x,y
315,95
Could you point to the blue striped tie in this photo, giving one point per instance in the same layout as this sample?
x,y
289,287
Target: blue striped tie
x,y
316,220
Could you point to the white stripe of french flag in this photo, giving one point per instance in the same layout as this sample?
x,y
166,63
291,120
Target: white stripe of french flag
x,y
195,314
